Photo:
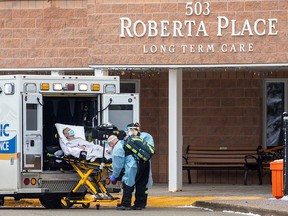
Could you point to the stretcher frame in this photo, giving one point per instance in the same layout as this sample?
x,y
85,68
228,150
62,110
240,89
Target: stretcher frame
x,y
91,177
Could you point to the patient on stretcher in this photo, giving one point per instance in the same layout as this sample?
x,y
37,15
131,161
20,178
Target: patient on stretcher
x,y
75,145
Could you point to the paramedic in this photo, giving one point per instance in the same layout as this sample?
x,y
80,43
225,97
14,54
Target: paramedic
x,y
76,144
144,176
119,161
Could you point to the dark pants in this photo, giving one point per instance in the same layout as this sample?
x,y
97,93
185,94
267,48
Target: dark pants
x,y
141,183
127,195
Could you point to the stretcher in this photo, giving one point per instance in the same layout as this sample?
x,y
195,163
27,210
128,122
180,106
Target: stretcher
x,y
94,176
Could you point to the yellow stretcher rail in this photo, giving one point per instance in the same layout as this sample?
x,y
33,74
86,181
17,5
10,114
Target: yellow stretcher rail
x,y
92,178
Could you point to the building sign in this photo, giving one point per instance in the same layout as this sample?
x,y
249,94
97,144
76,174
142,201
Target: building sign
x,y
199,22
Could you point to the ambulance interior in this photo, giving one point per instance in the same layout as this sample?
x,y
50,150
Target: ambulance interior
x,y
65,110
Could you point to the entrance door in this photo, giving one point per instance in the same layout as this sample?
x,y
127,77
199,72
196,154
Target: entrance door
x,y
32,132
121,109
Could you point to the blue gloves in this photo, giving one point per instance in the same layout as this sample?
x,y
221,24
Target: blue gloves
x,y
113,179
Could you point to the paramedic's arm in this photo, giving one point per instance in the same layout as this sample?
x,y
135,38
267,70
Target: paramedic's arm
x,y
150,140
118,159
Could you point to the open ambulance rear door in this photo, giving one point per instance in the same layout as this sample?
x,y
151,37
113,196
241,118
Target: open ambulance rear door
x,y
32,132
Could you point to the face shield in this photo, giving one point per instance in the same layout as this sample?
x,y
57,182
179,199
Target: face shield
x,y
131,130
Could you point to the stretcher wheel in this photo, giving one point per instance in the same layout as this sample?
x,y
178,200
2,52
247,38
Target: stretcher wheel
x,y
85,205
98,206
65,204
118,204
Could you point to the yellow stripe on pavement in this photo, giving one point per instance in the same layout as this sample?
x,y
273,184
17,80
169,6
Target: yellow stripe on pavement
x,y
153,201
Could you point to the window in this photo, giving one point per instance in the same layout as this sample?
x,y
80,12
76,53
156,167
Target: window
x,y
274,106
130,86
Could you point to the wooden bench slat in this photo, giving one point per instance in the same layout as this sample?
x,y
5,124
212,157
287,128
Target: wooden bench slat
x,y
222,152
224,148
191,156
212,165
218,160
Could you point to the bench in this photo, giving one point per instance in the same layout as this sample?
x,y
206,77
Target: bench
x,y
266,156
221,158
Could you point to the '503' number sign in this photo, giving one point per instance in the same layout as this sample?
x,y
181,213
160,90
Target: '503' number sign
x,y
197,8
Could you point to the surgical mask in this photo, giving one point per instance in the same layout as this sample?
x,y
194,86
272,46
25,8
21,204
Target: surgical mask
x,y
71,133
130,133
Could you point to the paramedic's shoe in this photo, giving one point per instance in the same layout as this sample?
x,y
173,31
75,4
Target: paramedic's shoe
x,y
123,208
136,208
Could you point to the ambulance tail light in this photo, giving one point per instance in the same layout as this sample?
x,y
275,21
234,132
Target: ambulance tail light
x,y
110,89
26,181
95,87
44,86
57,86
33,181
82,87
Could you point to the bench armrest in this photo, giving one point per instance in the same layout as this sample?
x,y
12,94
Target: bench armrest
x,y
186,157
251,156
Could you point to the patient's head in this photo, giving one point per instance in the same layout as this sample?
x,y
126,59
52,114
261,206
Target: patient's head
x,y
68,133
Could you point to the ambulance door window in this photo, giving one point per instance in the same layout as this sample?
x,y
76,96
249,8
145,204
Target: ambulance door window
x,y
31,113
126,113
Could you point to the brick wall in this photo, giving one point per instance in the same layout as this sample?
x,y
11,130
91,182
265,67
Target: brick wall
x,y
130,50
221,109
69,33
48,36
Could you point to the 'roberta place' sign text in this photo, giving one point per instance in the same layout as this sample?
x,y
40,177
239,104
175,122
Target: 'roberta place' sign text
x,y
190,28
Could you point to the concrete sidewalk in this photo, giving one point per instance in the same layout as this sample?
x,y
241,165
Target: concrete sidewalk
x,y
255,199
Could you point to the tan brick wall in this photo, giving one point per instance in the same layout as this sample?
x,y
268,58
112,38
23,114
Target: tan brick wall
x,y
49,37
266,49
78,33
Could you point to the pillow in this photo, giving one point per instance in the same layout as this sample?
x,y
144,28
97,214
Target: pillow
x,y
79,130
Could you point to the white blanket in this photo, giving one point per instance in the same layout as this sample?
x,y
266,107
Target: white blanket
x,y
74,147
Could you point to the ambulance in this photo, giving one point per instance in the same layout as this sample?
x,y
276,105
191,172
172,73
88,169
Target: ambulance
x,y
30,105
